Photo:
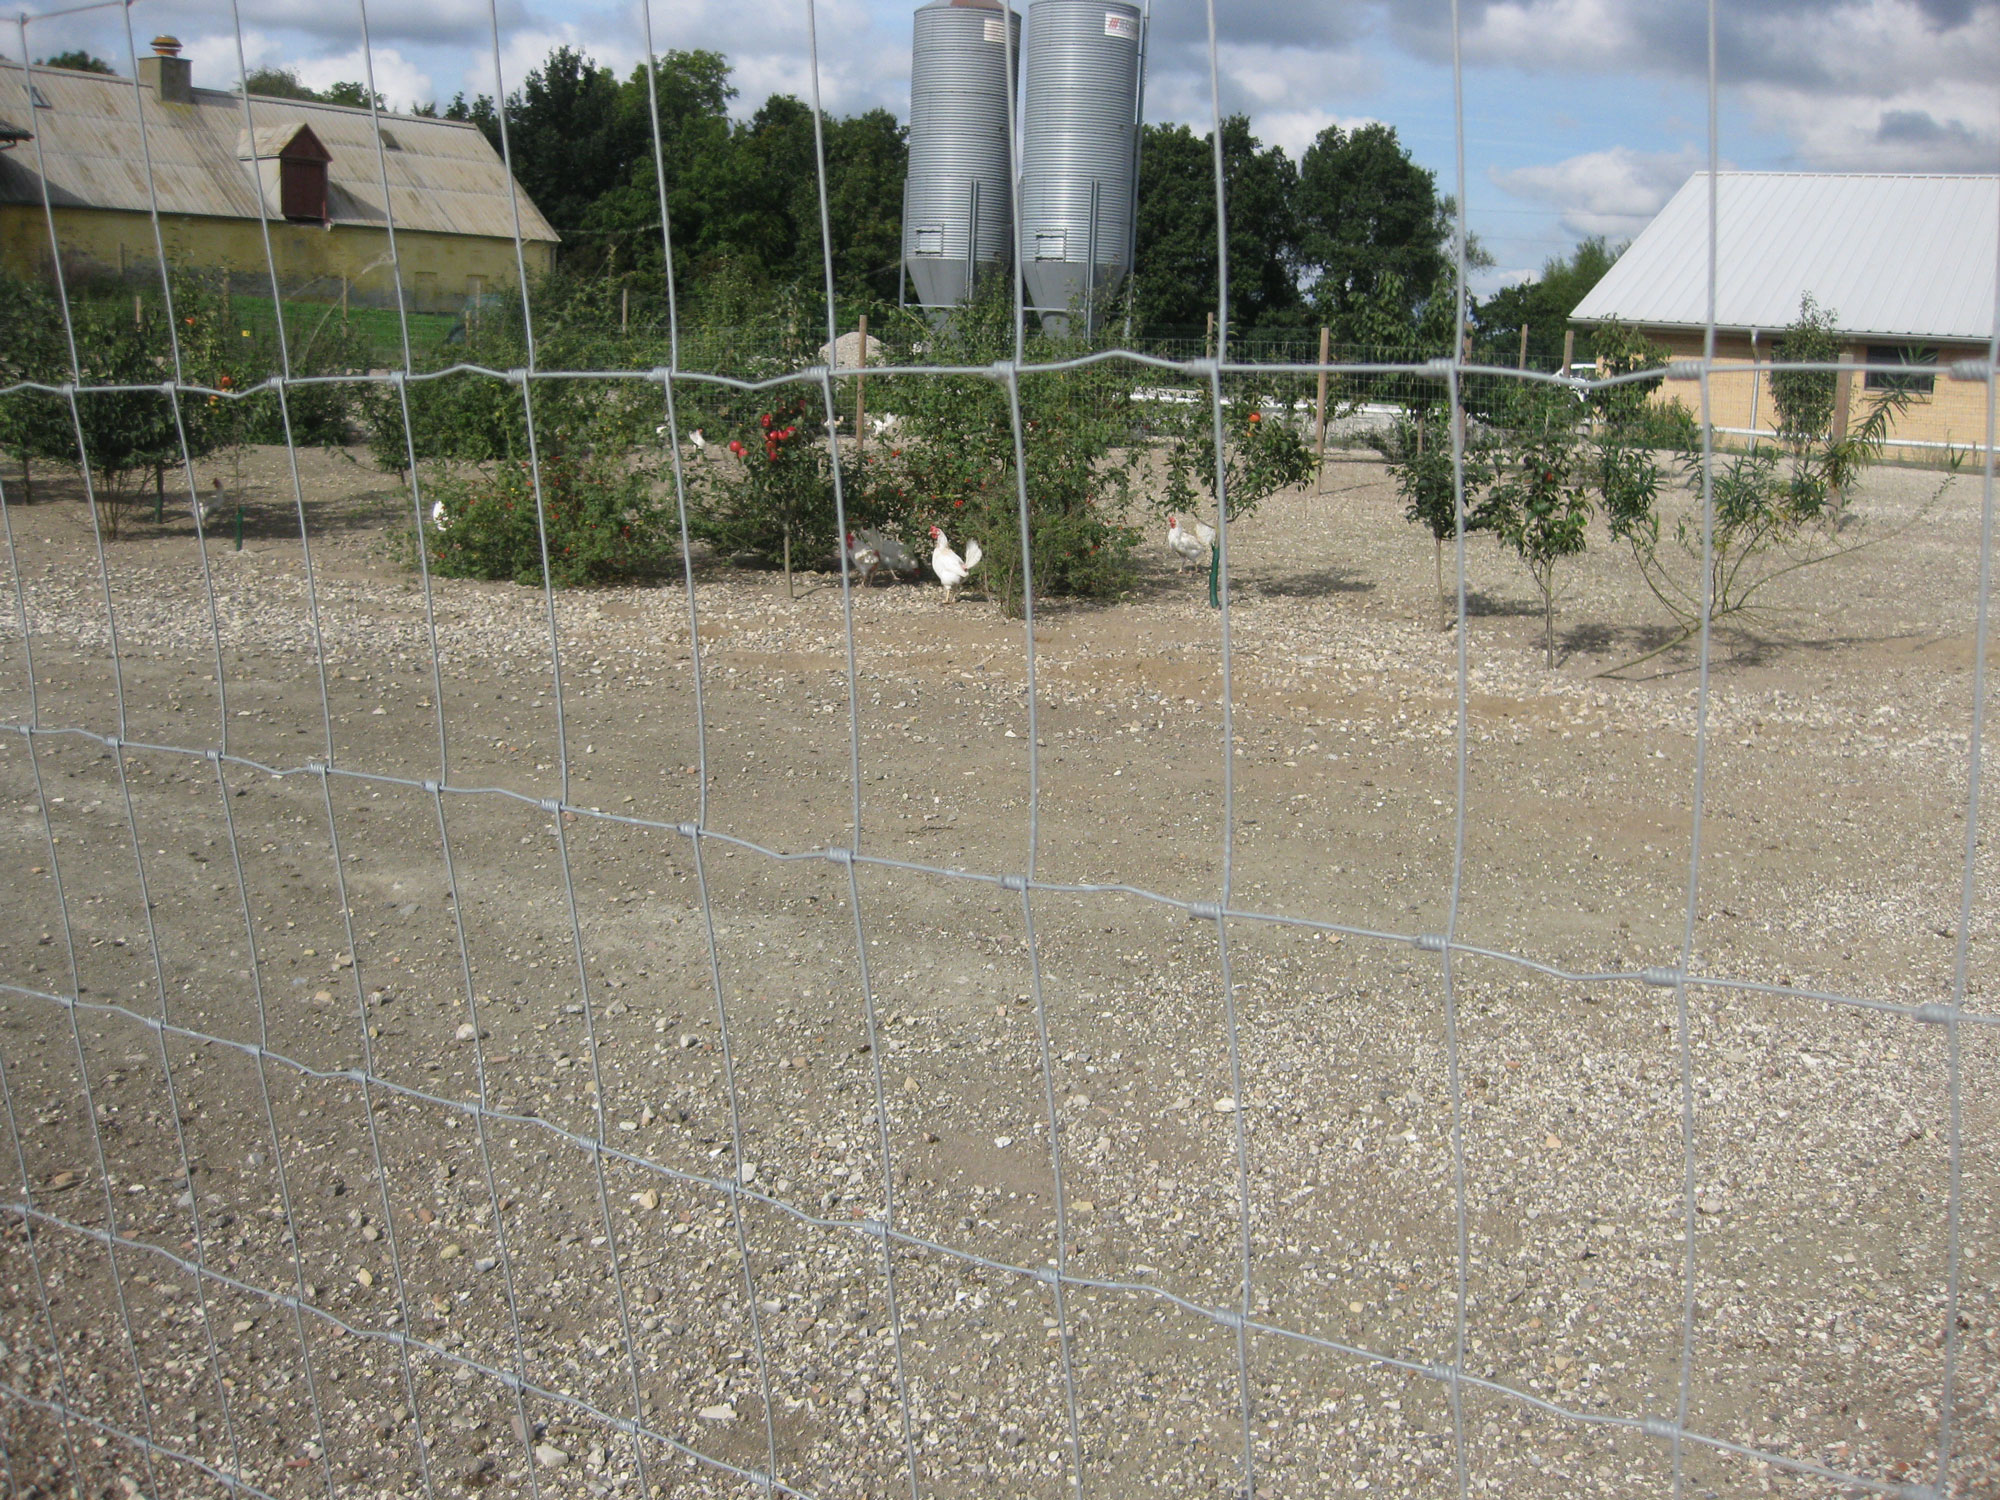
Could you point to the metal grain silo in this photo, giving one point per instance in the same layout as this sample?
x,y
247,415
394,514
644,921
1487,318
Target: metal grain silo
x,y
1079,152
957,210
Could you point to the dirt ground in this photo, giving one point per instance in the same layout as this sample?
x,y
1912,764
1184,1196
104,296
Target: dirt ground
x,y
415,1130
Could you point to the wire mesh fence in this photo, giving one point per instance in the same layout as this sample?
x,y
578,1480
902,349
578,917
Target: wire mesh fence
x,y
666,1040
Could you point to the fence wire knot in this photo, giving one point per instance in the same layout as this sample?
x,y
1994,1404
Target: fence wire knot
x,y
1429,942
1659,1427
1936,1013
1013,882
551,804
1971,369
1683,369
1204,911
839,856
1666,978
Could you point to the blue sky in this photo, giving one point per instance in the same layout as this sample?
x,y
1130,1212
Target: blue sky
x,y
1582,116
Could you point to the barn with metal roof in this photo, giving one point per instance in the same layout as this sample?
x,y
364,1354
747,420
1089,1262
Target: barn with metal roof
x,y
328,181
1904,263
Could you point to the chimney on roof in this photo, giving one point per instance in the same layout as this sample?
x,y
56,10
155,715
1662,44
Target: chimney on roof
x,y
169,75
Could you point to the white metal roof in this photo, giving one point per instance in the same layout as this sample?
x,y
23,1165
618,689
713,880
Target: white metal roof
x,y
1894,255
443,176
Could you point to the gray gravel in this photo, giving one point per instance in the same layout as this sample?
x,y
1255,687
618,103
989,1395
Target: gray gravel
x,y
1834,851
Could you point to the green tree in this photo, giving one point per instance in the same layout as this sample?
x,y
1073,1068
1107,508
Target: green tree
x,y
692,92
569,142
77,62
1804,399
1539,506
353,95
276,83
1419,457
1368,213
1174,281
1544,304
960,469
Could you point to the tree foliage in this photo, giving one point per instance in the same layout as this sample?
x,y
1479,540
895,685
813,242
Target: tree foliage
x,y
1544,303
1174,281
77,62
1375,238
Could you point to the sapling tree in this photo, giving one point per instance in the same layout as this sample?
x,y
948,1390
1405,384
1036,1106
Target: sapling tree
x,y
1539,506
1419,454
1776,510
1260,455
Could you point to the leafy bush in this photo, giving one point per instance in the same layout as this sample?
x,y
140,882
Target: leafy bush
x,y
1259,456
959,467
128,434
1776,510
604,520
1540,504
1419,457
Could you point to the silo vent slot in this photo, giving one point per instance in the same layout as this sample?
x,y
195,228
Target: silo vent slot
x,y
929,242
1052,246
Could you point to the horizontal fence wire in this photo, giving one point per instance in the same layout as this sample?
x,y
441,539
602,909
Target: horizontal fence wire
x,y
407,348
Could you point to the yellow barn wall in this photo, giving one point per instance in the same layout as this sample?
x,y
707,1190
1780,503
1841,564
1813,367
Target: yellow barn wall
x,y
439,270
1954,412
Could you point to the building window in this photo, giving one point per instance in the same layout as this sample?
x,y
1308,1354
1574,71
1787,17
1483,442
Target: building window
x,y
302,189
1916,379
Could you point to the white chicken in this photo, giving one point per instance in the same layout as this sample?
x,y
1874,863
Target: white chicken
x,y
1188,544
439,518
209,509
863,558
885,426
1204,531
948,565
695,437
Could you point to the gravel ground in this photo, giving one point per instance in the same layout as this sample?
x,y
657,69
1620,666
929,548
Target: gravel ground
x,y
407,1293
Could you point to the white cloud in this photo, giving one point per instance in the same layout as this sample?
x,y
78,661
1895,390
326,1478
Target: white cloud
x,y
1296,129
461,22
1613,193
397,79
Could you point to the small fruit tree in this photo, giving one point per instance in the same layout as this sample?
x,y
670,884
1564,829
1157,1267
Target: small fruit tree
x,y
124,425
1260,455
1777,508
1539,506
601,514
1419,457
774,491
959,463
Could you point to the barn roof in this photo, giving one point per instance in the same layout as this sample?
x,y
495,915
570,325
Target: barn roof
x,y
443,176
1900,256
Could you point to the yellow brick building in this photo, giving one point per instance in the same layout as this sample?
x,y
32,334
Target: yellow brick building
x,y
1903,262
98,158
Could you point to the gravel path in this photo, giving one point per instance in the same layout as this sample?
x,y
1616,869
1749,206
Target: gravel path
x,y
373,1111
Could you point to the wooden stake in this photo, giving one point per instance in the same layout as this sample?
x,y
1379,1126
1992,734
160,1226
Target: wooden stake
x,y
624,308
860,392
1319,413
1569,349
1208,338
343,299
1522,362
1843,394
137,320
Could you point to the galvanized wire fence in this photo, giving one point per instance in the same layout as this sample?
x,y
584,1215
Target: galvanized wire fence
x,y
276,1384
